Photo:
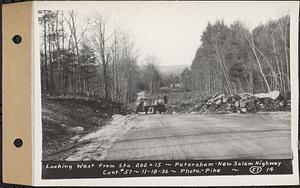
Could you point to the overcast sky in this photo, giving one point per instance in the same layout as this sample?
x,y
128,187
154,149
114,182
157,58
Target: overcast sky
x,y
171,30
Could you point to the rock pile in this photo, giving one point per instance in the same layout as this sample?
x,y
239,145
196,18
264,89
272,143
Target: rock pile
x,y
245,103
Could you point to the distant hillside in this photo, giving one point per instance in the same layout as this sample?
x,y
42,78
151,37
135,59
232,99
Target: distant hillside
x,y
172,69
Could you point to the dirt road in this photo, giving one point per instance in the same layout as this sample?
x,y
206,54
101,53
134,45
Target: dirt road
x,y
186,136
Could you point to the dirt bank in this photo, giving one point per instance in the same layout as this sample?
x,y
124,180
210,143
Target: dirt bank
x,y
65,121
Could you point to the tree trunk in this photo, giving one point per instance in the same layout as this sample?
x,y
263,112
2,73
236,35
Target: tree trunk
x,y
51,67
258,61
45,72
224,73
284,39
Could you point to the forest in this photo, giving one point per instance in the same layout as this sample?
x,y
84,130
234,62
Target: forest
x,y
234,59
93,56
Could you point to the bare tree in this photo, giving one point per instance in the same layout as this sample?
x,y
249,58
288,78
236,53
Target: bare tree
x,y
76,37
104,46
284,38
254,49
151,74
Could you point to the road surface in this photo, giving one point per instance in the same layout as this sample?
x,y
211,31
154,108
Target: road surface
x,y
187,136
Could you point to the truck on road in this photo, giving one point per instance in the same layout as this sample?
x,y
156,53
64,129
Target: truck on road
x,y
151,105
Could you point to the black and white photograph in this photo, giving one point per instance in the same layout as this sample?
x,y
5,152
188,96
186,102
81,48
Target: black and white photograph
x,y
190,83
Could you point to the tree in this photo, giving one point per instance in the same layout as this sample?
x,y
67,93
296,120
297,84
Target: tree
x,y
77,62
76,37
151,74
45,19
232,59
104,46
89,70
187,79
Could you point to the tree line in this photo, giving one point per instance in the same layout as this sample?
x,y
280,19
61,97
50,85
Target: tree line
x,y
233,59
92,56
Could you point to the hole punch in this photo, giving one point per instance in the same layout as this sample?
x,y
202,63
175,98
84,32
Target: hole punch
x,y
17,39
18,142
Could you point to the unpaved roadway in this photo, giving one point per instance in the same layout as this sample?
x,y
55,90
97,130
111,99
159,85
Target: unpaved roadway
x,y
187,136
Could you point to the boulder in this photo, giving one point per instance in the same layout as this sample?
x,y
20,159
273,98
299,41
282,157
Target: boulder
x,y
242,103
274,95
244,110
225,100
218,102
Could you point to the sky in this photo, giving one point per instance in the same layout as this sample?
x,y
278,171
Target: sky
x,y
172,30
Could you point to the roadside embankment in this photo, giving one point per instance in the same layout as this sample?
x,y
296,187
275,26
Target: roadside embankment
x,y
66,120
